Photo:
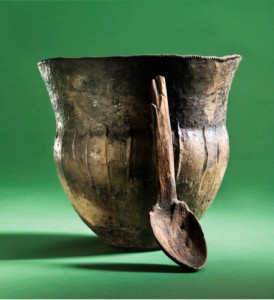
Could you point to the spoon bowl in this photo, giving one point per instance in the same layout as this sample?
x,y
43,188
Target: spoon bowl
x,y
180,235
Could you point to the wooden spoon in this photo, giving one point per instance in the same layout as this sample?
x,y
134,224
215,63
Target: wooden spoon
x,y
175,227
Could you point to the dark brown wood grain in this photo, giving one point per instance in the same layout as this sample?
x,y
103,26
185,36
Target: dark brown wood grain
x,y
164,160
175,227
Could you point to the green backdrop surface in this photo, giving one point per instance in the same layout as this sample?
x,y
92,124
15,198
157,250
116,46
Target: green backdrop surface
x,y
45,250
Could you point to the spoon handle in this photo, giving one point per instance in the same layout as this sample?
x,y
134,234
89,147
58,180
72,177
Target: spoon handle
x,y
164,157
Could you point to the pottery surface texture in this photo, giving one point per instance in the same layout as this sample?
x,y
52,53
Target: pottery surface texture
x,y
103,147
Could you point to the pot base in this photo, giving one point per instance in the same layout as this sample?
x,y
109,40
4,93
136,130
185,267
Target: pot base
x,y
124,237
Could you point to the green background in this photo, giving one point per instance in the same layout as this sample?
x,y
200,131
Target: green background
x,y
46,251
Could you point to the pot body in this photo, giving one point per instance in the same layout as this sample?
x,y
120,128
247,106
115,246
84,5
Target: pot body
x,y
103,147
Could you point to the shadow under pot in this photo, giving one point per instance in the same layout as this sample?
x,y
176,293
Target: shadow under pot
x,y
103,148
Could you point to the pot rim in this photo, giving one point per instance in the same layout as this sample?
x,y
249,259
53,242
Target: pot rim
x,y
179,56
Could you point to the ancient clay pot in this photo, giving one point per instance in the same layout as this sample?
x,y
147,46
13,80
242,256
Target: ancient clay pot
x,y
103,146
